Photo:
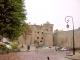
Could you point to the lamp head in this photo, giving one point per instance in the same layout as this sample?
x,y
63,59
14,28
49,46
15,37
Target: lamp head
x,y
67,26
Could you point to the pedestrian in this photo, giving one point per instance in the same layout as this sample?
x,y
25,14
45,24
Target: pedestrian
x,y
48,57
28,47
22,46
36,48
56,48
67,51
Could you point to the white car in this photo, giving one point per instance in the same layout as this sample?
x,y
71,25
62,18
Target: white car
x,y
7,45
63,49
45,47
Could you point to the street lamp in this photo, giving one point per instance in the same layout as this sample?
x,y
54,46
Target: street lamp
x,y
67,21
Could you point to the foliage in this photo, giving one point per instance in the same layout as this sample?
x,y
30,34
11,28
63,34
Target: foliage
x,y
27,31
14,45
35,41
40,45
12,18
2,46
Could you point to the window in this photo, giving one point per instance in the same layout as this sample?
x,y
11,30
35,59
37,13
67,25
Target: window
x,y
40,41
42,32
41,37
37,37
47,29
37,32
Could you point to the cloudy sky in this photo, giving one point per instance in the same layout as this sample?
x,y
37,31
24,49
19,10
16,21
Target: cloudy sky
x,y
54,11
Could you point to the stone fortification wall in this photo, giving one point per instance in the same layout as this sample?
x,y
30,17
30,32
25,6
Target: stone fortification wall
x,y
48,39
65,38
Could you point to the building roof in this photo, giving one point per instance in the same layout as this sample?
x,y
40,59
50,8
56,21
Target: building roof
x,y
47,22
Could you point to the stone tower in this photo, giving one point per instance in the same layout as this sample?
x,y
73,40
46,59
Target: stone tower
x,y
48,34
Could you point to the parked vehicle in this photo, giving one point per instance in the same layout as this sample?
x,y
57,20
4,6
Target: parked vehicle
x,y
8,45
63,49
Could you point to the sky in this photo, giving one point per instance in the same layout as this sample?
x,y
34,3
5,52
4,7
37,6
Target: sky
x,y
53,11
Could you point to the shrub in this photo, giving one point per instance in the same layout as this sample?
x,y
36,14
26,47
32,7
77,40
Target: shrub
x,y
40,45
35,41
14,45
2,46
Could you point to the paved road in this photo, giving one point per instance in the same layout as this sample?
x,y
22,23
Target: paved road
x,y
42,55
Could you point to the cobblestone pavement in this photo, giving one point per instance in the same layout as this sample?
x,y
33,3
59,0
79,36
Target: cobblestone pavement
x,y
9,56
35,55
42,55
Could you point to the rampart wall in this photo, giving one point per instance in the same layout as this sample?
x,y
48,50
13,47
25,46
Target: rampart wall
x,y
65,38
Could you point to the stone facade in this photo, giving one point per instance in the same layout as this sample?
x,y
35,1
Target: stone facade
x,y
45,36
65,38
42,33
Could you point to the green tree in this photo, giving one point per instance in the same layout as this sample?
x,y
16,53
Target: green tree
x,y
26,32
12,18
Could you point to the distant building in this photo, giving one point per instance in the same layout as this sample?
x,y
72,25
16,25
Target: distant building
x,y
41,33
44,35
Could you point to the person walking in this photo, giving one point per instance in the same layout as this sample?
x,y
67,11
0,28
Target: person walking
x,y
22,46
36,48
48,57
67,51
28,47
56,48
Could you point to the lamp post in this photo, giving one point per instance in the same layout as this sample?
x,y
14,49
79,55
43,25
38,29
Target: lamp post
x,y
67,21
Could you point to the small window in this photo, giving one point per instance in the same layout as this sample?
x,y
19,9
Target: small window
x,y
41,37
40,41
37,37
47,29
42,32
37,32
